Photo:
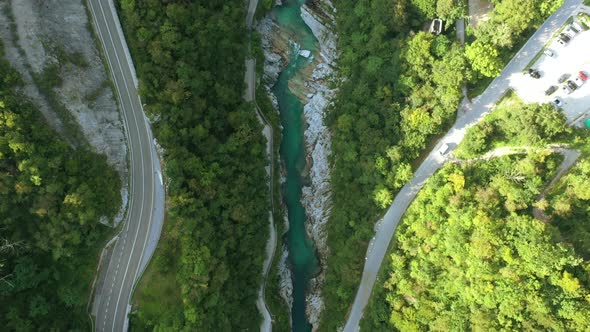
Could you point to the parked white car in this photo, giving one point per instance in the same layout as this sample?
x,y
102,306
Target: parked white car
x,y
578,27
569,32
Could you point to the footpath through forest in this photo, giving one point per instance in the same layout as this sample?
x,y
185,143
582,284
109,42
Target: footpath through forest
x,y
473,114
250,96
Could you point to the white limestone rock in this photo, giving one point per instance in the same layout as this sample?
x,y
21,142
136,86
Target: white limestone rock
x,y
305,53
319,16
273,61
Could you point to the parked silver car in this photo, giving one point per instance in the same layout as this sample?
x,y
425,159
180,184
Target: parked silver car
x,y
549,52
569,32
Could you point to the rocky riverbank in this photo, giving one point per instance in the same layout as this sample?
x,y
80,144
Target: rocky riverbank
x,y
311,86
275,44
316,199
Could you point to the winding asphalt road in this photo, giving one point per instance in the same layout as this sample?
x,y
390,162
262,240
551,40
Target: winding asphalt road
x,y
475,112
136,242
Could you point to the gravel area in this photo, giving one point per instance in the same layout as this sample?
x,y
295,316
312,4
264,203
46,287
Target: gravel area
x,y
479,11
569,59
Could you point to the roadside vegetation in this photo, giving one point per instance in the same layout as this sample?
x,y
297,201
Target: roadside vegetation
x,y
190,62
401,88
492,44
281,316
51,200
469,256
513,123
568,206
469,240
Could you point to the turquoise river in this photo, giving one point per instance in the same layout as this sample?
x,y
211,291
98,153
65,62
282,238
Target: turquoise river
x,y
304,264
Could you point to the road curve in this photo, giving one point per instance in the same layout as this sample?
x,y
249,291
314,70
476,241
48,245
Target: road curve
x,y
143,222
475,112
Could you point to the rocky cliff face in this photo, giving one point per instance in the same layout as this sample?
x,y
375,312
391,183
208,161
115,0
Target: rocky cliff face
x,y
319,16
40,34
316,197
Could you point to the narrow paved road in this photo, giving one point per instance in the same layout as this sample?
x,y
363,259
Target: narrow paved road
x,y
135,244
480,107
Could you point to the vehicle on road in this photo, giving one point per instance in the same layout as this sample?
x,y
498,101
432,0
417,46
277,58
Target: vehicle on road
x,y
557,102
549,52
578,81
582,75
561,42
443,149
563,78
550,90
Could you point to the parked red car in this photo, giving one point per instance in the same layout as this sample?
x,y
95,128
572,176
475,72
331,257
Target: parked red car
x,y
583,76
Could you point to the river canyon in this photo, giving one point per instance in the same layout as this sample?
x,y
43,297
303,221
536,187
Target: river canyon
x,y
300,49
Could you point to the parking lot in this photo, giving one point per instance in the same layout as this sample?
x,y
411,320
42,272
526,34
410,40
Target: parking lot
x,y
569,59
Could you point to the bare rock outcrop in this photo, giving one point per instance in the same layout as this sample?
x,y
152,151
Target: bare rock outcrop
x,y
38,35
316,198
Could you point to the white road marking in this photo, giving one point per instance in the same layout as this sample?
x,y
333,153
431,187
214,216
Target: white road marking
x,y
127,132
140,149
143,173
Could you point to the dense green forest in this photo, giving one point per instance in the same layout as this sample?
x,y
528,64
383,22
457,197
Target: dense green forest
x,y
400,88
468,256
514,123
471,226
51,199
568,207
190,62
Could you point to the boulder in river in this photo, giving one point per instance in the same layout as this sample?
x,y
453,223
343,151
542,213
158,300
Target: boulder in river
x,y
305,53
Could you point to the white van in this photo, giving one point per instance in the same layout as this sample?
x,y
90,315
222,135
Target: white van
x,y
443,149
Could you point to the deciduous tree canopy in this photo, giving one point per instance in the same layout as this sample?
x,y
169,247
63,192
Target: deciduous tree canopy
x,y
401,88
190,62
51,199
468,256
